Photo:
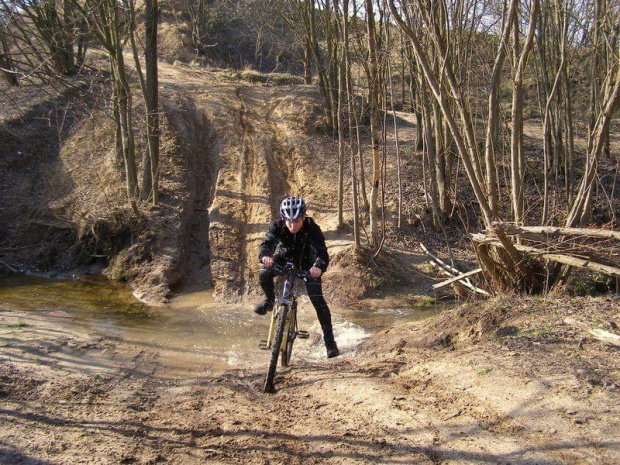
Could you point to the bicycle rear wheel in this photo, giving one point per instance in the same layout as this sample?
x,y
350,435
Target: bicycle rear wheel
x,y
275,348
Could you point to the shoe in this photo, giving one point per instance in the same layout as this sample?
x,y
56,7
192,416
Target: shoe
x,y
332,349
263,308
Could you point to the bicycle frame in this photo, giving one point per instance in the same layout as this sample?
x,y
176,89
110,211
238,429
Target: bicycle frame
x,y
283,327
290,300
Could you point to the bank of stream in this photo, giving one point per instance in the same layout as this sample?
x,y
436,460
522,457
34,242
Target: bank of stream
x,y
89,375
191,334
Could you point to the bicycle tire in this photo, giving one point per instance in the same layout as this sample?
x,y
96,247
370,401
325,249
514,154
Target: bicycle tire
x,y
275,348
288,350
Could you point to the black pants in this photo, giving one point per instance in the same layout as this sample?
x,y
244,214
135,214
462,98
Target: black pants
x,y
315,292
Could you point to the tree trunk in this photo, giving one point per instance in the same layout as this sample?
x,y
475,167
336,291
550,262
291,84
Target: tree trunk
x,y
307,62
318,59
398,157
125,110
340,131
344,18
360,153
147,180
569,174
516,152
116,116
127,136
152,96
373,87
6,62
437,165
552,158
594,71
492,133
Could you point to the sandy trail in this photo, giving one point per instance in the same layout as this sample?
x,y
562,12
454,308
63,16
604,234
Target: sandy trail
x,y
68,396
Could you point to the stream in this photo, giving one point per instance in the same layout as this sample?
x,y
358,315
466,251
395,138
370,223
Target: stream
x,y
191,332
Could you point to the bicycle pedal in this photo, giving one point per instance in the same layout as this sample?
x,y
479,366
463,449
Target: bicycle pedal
x,y
263,345
303,334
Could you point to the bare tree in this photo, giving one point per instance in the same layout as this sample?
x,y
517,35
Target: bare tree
x,y
580,211
373,97
105,20
149,87
6,61
517,161
603,103
463,133
355,150
152,101
491,151
58,26
42,38
294,13
200,21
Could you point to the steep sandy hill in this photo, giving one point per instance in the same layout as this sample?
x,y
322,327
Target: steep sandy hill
x,y
231,150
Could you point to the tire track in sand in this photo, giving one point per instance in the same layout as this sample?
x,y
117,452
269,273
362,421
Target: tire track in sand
x,y
256,166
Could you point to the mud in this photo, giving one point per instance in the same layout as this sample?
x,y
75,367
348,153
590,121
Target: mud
x,y
536,393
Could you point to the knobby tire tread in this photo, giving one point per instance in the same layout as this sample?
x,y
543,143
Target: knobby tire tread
x,y
275,348
286,353
288,350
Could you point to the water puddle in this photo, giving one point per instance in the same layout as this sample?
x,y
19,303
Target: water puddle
x,y
193,332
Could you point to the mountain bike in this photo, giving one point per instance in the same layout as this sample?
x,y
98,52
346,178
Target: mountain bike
x,y
283,329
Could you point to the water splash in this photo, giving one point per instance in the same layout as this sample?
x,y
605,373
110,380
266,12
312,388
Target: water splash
x,y
194,330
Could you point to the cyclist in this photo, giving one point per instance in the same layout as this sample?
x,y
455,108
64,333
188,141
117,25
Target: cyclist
x,y
296,238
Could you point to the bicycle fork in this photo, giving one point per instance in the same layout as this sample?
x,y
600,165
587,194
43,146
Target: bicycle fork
x,y
291,318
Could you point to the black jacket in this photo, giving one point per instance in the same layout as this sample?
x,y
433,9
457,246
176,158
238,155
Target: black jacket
x,y
304,249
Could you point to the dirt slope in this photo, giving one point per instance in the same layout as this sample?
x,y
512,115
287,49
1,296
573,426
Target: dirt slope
x,y
231,150
265,146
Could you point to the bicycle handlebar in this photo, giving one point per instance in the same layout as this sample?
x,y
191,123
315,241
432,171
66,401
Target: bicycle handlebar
x,y
289,267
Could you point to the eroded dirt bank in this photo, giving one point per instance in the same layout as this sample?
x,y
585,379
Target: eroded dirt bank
x,y
231,150
506,382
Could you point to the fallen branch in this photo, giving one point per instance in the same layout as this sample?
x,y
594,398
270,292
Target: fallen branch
x,y
457,278
453,272
556,231
439,261
8,266
53,225
556,257
598,333
463,282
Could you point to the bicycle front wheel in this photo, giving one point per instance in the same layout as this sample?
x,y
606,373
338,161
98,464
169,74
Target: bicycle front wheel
x,y
287,351
275,347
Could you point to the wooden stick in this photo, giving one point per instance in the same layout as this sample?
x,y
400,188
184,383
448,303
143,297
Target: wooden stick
x,y
441,263
8,266
452,272
456,278
465,282
598,333
555,231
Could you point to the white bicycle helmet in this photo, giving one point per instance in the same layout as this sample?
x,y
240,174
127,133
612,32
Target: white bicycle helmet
x,y
292,208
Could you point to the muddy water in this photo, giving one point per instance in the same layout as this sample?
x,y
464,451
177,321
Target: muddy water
x,y
191,334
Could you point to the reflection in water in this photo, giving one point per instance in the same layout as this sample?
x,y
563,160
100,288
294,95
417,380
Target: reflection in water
x,y
193,332
85,297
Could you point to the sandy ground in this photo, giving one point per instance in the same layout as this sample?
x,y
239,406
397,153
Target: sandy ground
x,y
445,390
